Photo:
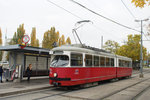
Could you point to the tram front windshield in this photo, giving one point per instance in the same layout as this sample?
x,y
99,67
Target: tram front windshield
x,y
60,61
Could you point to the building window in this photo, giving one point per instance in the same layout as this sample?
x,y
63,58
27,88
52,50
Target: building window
x,y
76,59
96,60
88,60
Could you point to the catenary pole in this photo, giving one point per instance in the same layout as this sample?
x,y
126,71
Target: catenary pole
x,y
141,75
141,51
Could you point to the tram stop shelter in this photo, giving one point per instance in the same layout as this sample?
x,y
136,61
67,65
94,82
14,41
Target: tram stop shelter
x,y
23,56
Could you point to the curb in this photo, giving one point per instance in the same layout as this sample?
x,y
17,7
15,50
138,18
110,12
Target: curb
x,y
23,91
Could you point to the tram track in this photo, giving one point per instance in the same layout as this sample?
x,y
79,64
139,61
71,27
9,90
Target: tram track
x,y
63,94
117,91
140,93
26,93
51,95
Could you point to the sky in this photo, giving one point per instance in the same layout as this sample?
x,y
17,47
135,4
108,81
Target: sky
x,y
43,15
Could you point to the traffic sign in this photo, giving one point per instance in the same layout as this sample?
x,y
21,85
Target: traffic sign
x,y
25,39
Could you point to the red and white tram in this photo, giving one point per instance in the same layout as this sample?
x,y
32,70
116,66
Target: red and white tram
x,y
77,65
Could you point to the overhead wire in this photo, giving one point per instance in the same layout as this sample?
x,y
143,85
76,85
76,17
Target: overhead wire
x,y
104,16
68,12
64,9
92,12
94,5
131,15
145,36
74,16
128,10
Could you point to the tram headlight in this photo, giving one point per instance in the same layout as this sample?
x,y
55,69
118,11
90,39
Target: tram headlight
x,y
55,74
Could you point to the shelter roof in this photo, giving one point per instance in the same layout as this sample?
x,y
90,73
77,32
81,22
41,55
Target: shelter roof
x,y
27,49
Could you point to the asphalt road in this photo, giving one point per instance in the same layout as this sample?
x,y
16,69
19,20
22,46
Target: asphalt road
x,y
124,89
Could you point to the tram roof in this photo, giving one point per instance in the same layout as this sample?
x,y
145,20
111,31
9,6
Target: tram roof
x,y
86,49
76,48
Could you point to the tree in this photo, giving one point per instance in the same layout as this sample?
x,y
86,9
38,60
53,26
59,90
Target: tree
x,y
33,37
132,48
50,38
68,41
62,40
14,39
53,37
148,59
141,3
20,33
111,46
0,43
46,37
37,43
17,38
60,43
34,41
57,36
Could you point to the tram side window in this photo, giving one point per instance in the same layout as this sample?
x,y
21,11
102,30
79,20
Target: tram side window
x,y
102,61
107,62
76,60
123,63
126,64
130,64
96,60
88,60
112,62
120,63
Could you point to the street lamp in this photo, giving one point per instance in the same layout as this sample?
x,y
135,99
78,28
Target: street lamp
x,y
141,48
75,29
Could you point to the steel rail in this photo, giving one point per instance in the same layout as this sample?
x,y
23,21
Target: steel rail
x,y
140,93
117,91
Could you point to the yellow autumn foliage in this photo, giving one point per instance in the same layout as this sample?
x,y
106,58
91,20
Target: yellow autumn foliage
x,y
140,3
68,41
132,48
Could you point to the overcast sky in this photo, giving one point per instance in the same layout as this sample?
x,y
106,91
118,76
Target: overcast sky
x,y
43,15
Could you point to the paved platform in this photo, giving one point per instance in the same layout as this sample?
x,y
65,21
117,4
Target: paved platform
x,y
36,83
